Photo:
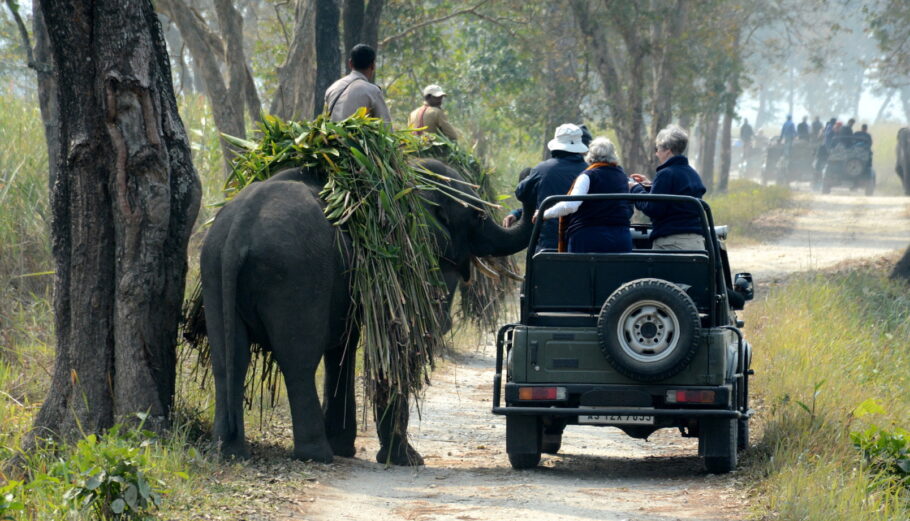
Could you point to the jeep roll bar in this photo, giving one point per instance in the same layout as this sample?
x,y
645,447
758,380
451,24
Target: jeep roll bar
x,y
719,300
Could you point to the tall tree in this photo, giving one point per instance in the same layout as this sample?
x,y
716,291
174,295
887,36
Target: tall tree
x,y
124,202
361,23
294,97
328,53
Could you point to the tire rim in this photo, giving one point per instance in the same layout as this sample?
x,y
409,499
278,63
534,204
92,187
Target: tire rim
x,y
648,331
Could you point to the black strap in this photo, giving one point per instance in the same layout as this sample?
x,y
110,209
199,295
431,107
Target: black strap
x,y
338,97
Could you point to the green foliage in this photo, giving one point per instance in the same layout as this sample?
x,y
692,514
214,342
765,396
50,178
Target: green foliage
x,y
9,504
829,342
887,451
111,479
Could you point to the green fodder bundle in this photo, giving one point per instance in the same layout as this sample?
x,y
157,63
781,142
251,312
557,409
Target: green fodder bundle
x,y
482,298
371,190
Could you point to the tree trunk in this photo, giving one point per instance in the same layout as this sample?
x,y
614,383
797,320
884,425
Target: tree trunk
x,y
124,203
880,115
905,102
47,95
328,55
353,24
241,88
666,32
563,88
708,149
206,48
726,134
297,75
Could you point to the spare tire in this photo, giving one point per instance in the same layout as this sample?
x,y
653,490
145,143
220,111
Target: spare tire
x,y
649,329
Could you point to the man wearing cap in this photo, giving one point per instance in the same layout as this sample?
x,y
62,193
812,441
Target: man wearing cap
x,y
554,177
431,115
344,97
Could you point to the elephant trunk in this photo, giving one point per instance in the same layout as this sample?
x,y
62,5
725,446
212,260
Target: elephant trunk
x,y
492,240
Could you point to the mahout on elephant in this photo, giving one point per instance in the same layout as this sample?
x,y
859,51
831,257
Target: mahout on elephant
x,y
276,272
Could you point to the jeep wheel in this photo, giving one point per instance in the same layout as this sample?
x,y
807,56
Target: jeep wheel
x,y
551,438
717,440
523,441
648,329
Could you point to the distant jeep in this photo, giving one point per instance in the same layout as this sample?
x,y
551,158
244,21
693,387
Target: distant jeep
x,y
641,341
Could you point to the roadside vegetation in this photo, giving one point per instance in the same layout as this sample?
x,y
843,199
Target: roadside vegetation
x,y
832,373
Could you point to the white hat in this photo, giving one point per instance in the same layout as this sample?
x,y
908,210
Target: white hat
x,y
568,138
433,90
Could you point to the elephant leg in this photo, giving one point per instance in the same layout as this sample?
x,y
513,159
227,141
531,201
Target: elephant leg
x,y
310,442
338,398
390,411
229,429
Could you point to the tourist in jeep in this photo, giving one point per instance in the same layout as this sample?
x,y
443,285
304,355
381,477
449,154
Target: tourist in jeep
x,y
554,176
597,226
675,226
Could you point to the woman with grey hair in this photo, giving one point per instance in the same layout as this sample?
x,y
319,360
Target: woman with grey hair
x,y
596,226
676,226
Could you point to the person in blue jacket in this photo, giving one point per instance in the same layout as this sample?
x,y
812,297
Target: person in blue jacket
x,y
554,176
597,226
675,226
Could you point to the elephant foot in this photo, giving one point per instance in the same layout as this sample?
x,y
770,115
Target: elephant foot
x,y
318,452
401,454
343,446
234,449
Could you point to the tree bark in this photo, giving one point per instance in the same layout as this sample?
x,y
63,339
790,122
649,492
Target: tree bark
x,y
47,95
297,75
124,203
241,89
726,134
353,13
328,54
666,32
708,149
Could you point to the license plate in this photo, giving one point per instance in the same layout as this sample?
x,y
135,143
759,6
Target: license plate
x,y
616,419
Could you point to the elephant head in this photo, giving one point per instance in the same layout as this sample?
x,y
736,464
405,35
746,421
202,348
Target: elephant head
x,y
467,232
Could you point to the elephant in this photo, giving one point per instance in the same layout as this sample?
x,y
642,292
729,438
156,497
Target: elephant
x,y
902,168
275,272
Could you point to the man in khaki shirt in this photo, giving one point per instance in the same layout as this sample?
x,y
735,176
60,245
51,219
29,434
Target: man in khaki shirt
x,y
344,97
431,115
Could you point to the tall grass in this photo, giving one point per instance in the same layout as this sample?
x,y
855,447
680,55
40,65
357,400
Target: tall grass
x,y
824,345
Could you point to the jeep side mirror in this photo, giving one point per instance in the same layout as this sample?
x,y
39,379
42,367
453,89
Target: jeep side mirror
x,y
742,284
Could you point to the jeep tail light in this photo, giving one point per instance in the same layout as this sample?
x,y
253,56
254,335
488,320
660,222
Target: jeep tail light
x,y
541,393
690,396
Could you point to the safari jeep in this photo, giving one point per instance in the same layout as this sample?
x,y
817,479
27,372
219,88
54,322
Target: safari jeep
x,y
641,341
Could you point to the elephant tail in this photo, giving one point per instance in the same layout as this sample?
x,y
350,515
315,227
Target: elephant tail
x,y
235,253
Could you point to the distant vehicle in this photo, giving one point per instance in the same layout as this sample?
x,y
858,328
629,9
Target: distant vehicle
x,y
642,341
784,168
849,164
903,158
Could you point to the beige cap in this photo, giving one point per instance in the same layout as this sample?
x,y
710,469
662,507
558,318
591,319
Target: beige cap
x,y
433,90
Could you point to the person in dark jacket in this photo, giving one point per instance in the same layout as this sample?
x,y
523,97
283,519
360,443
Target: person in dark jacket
x,y
675,226
515,215
554,176
597,226
802,130
816,128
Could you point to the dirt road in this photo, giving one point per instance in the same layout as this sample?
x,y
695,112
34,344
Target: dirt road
x,y
834,228
600,473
